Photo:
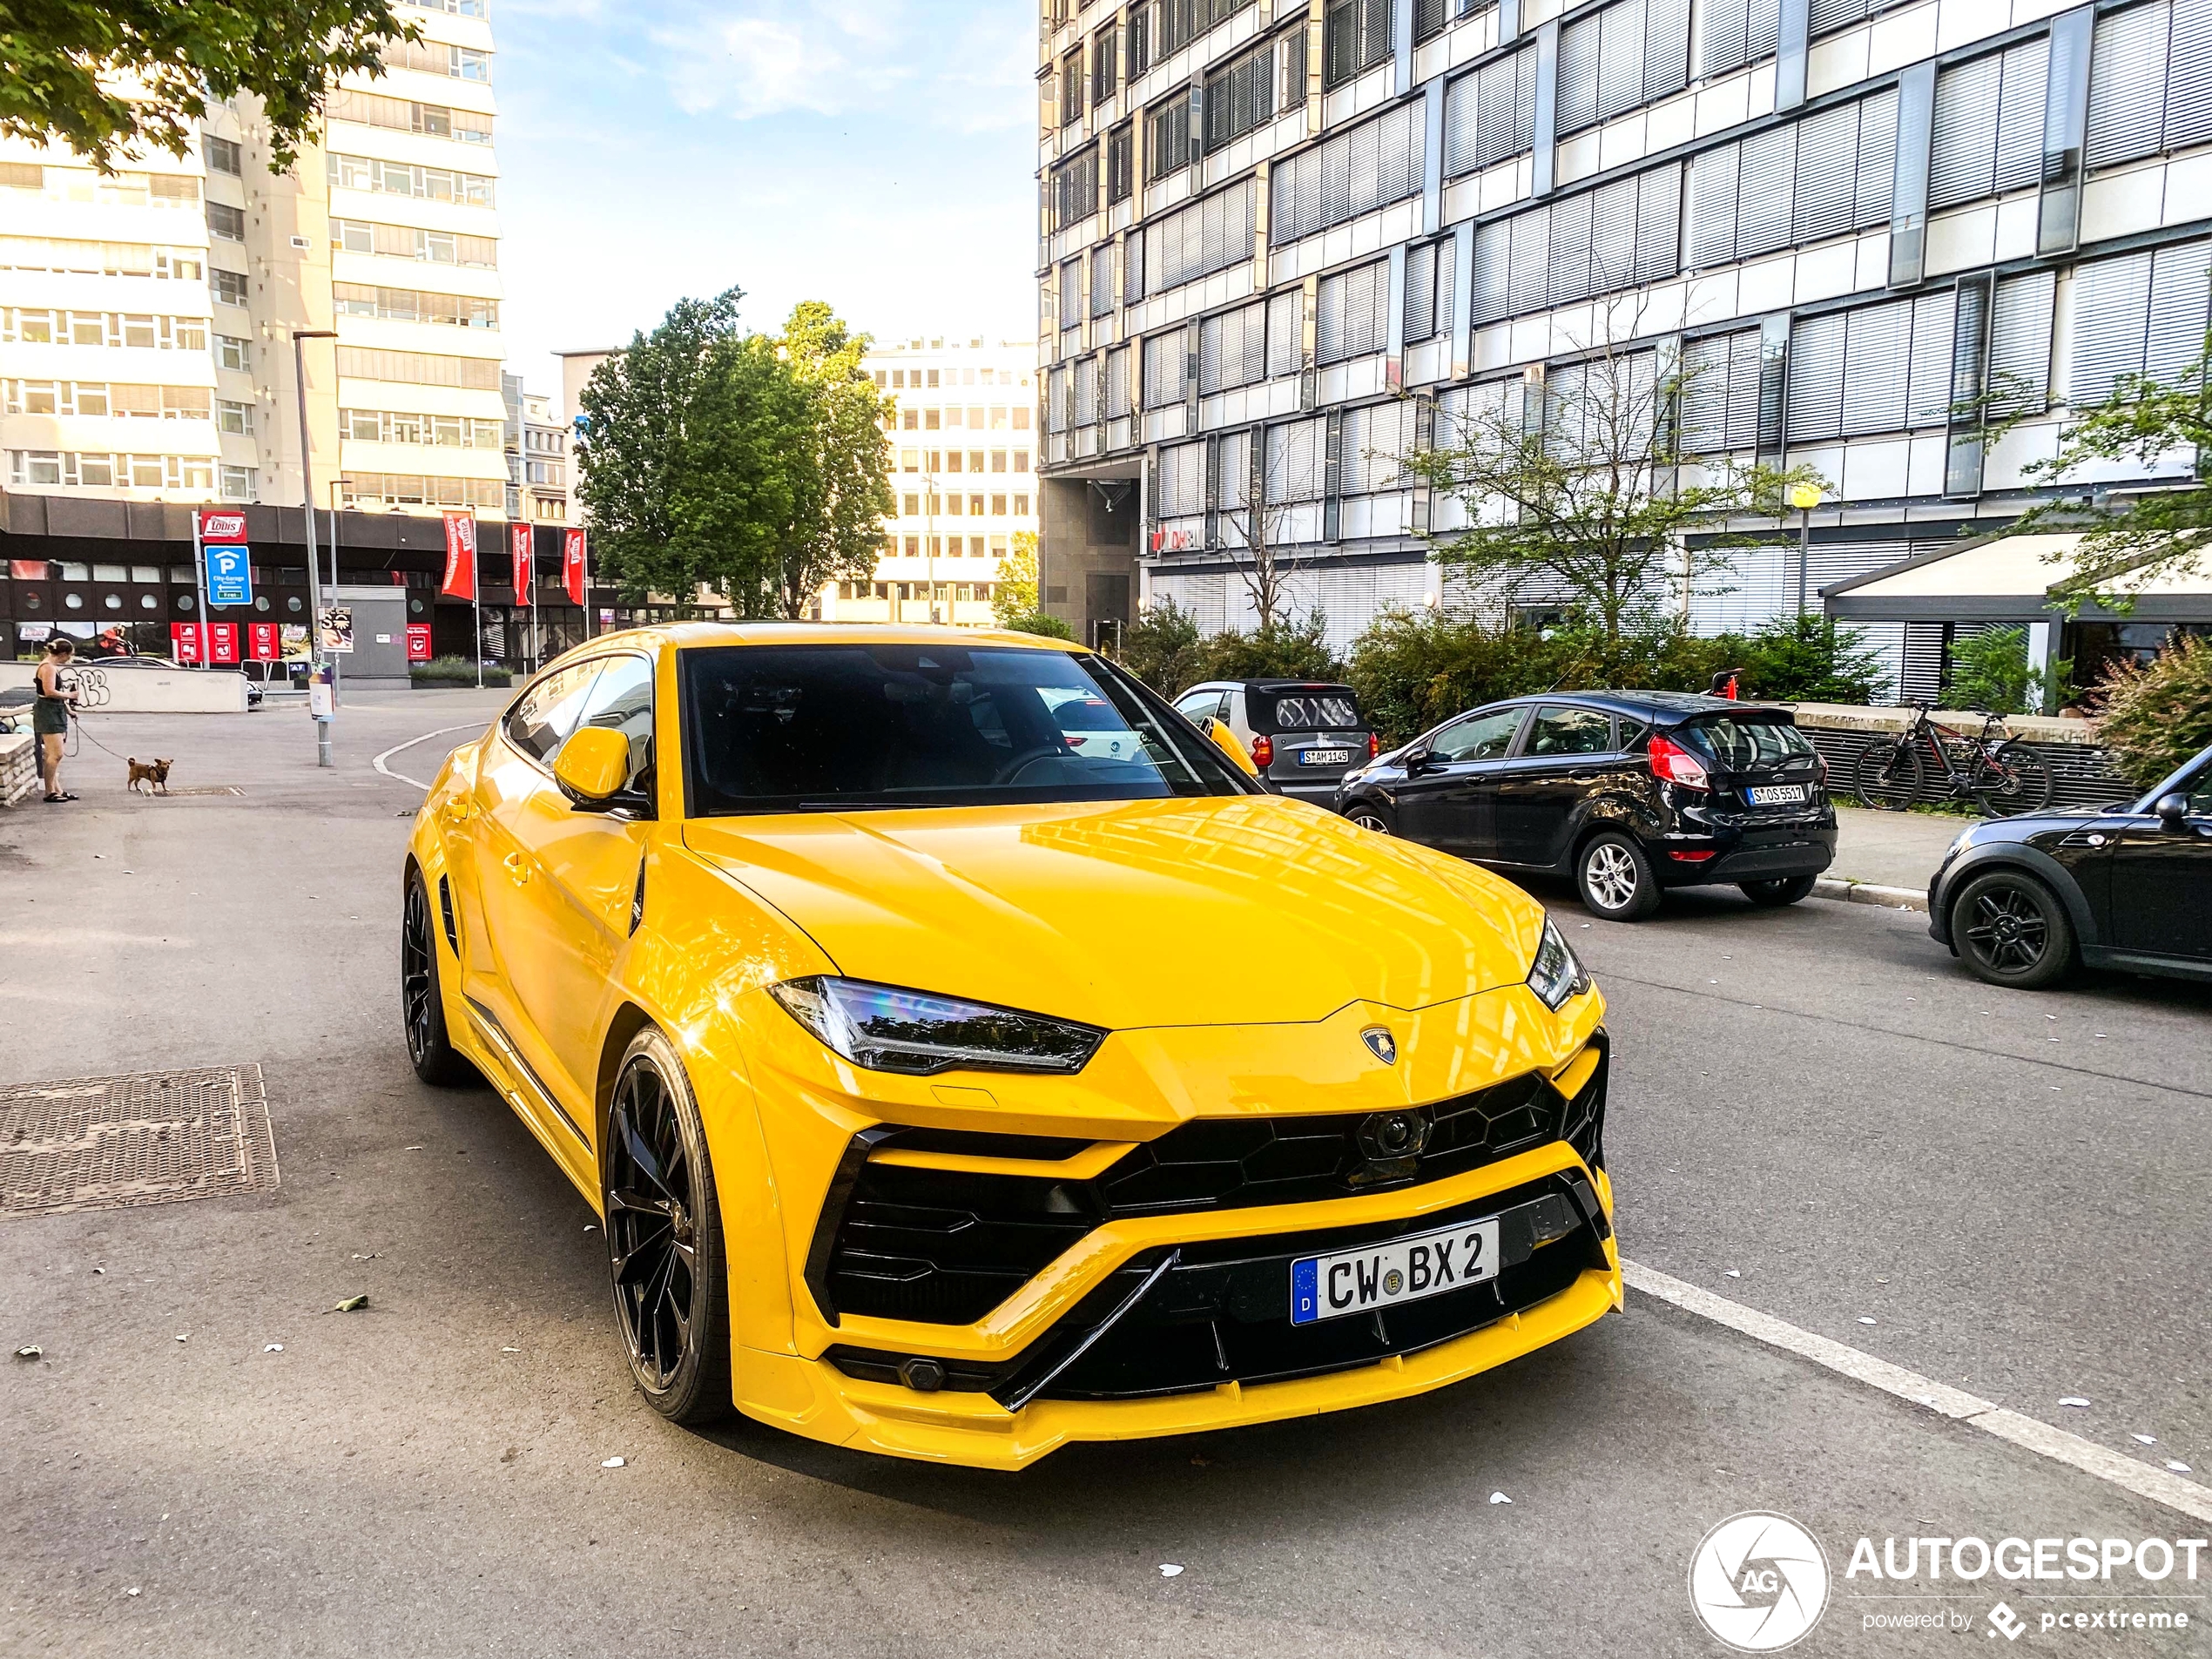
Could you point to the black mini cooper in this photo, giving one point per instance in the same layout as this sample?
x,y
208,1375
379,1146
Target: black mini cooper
x,y
2129,886
1627,791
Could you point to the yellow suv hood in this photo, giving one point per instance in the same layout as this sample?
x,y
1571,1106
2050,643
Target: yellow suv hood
x,y
1223,910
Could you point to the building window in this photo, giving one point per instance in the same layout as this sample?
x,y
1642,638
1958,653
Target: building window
x,y
230,352
404,115
1071,87
1876,368
1351,315
1352,173
1987,133
1232,348
1105,61
1192,242
239,483
2141,314
1240,98
222,156
1021,503
227,221
1120,146
228,286
1074,190
1429,280
1490,114
1168,138
1356,36
234,417
407,305
1610,237
1625,56
1822,176
404,179
1731,33
418,368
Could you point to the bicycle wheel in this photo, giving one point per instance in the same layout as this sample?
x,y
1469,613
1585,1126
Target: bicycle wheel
x,y
1888,775
2017,780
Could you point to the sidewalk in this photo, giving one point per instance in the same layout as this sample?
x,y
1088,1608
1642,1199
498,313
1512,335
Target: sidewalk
x,y
1888,858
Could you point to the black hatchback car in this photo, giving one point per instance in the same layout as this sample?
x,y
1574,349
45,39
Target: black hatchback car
x,y
1627,791
2128,885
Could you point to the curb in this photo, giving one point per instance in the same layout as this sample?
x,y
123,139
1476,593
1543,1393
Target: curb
x,y
1846,891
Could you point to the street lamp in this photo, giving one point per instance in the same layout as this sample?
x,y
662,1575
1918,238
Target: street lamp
x,y
307,508
1804,497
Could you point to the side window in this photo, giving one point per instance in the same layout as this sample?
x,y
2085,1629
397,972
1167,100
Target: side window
x,y
1199,706
1570,732
621,699
1479,736
548,710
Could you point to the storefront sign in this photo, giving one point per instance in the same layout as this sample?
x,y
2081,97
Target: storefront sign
x,y
572,564
418,642
262,643
222,642
184,641
337,626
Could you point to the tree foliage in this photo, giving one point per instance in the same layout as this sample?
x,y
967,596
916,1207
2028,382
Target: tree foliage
x,y
1989,670
1810,659
1161,647
1014,596
2159,714
1592,499
754,464
2159,532
109,77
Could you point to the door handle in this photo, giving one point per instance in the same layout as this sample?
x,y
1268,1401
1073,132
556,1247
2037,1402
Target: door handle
x,y
517,867
1584,776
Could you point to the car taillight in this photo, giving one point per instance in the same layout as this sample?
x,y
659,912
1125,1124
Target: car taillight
x,y
1374,745
1263,751
1675,764
1821,761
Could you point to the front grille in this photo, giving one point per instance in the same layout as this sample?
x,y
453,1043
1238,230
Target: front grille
x,y
946,1247
1207,1314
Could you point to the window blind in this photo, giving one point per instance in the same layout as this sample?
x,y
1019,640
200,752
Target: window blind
x,y
1087,406
1371,446
1884,367
2141,314
1428,291
1166,369
2019,345
1293,460
1232,348
1611,237
2150,80
1285,333
1196,241
1728,34
1490,114
1183,480
1352,314
1828,173
1625,56
1989,125
1354,173
1718,406
1118,383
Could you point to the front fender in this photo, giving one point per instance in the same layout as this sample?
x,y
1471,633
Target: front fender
x,y
2016,855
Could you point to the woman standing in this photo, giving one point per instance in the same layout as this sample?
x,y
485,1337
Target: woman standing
x,y
50,713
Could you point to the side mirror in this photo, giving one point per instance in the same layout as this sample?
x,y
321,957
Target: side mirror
x,y
2173,810
1229,745
593,765
1418,757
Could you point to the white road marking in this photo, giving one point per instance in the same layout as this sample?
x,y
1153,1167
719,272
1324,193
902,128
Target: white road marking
x,y
378,762
2157,1485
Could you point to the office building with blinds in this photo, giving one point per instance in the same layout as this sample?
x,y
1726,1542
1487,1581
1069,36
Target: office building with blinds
x,y
1282,242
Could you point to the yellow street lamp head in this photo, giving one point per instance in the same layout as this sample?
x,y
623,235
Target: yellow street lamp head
x,y
1804,497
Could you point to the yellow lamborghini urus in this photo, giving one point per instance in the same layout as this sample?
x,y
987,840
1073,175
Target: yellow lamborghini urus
x,y
968,1056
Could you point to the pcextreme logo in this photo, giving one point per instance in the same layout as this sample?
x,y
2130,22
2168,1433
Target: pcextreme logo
x,y
1758,1582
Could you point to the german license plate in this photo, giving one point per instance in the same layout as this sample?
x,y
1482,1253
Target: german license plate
x,y
1402,1270
1776,795
1325,757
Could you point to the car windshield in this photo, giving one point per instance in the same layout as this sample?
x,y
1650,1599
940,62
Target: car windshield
x,y
846,727
1276,709
1739,745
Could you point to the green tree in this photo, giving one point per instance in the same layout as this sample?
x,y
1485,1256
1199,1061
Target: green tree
x,y
1989,670
1285,650
119,75
2158,714
1416,669
840,490
1810,659
1014,596
1161,646
2165,532
1592,499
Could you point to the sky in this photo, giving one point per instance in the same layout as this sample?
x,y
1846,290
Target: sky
x,y
878,154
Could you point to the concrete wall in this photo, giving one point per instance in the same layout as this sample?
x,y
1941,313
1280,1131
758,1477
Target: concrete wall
x,y
379,633
1087,553
106,688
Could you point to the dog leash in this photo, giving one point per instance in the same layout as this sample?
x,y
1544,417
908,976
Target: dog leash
x,y
77,725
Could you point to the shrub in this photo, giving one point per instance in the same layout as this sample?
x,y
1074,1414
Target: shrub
x,y
1413,669
455,670
1810,659
1989,670
2158,714
1036,622
1285,650
1161,647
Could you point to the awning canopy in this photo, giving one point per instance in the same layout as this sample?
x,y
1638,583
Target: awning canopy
x,y
2005,578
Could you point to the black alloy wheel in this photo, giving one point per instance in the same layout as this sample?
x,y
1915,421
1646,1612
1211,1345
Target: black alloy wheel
x,y
2012,930
665,1238
1779,890
429,1047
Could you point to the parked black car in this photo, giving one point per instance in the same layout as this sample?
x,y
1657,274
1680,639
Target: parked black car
x,y
1303,735
2129,885
1627,791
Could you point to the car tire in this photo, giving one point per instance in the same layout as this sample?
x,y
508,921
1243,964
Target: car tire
x,y
1614,875
2010,929
1369,818
665,1254
1778,891
422,1008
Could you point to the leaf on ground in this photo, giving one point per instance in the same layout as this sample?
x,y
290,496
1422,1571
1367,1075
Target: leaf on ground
x,y
351,1305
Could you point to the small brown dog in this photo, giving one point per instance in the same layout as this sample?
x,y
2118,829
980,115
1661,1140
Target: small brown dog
x,y
154,773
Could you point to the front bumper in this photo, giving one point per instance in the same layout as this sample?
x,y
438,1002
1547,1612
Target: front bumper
x,y
1136,1324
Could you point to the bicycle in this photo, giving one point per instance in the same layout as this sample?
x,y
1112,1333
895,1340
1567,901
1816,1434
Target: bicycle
x,y
2004,775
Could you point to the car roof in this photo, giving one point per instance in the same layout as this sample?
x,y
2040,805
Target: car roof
x,y
687,635
1658,707
1265,685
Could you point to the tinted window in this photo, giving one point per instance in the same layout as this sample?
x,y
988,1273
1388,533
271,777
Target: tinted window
x,y
803,728
1479,736
547,712
1204,705
1570,732
1746,745
1306,708
621,699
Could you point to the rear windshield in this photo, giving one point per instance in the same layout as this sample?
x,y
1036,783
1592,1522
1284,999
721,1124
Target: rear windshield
x,y
850,727
1304,708
1739,745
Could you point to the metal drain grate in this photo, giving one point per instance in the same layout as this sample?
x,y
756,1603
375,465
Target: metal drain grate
x,y
207,789
144,1137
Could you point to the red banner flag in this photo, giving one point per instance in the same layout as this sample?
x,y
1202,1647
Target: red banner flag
x,y
460,555
572,564
518,537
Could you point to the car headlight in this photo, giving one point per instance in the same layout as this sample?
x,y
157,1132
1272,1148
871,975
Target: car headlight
x,y
885,1029
1557,974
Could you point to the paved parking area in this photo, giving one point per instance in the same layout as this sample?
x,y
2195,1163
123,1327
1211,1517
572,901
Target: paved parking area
x,y
2010,1186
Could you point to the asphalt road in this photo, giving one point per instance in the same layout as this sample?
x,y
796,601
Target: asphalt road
x,y
1817,1099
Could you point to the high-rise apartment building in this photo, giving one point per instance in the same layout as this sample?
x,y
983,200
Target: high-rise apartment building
x,y
1284,242
147,351
962,469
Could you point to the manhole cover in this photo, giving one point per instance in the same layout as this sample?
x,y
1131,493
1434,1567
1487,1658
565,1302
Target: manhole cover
x,y
146,1137
207,789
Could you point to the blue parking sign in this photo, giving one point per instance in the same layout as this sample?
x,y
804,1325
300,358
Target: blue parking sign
x,y
230,575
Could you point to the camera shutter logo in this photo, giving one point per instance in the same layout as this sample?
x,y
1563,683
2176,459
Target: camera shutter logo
x,y
1758,1582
